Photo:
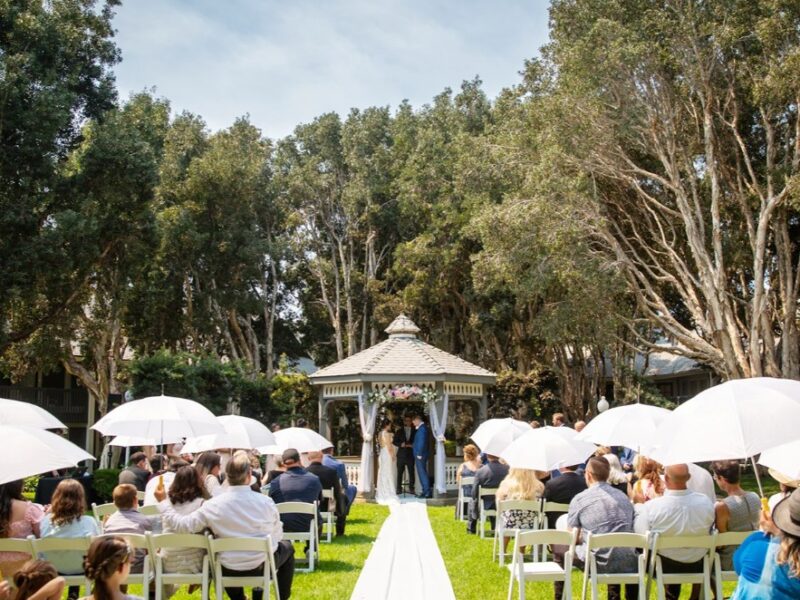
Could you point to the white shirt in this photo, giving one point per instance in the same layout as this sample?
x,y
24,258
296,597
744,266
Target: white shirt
x,y
240,512
677,512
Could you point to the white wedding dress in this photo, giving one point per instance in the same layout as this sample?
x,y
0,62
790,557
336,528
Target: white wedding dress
x,y
387,471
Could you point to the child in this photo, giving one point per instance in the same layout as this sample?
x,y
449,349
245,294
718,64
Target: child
x,y
128,519
108,564
38,580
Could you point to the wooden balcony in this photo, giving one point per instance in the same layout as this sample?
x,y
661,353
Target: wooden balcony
x,y
70,406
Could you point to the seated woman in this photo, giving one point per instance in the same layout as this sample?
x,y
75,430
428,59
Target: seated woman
x,y
468,468
18,519
519,484
66,519
186,496
648,484
108,564
768,561
38,580
738,511
208,466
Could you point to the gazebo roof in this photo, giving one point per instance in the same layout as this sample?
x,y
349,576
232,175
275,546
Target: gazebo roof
x,y
403,356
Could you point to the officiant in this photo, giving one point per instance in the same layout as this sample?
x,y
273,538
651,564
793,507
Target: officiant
x,y
404,441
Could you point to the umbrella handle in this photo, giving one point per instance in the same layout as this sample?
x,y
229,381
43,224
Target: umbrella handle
x,y
764,501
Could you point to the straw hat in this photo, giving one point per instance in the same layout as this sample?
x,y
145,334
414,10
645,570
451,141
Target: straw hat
x,y
784,479
786,514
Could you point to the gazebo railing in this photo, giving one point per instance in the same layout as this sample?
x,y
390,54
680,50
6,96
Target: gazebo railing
x,y
354,473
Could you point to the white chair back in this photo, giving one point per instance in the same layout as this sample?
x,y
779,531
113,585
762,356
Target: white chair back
x,y
328,515
179,541
521,571
483,512
79,546
311,536
137,541
722,540
634,541
500,531
462,498
662,542
261,545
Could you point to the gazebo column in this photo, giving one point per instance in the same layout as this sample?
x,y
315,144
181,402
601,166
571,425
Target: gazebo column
x,y
322,406
483,412
439,418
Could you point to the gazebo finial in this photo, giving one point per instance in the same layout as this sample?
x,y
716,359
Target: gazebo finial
x,y
402,326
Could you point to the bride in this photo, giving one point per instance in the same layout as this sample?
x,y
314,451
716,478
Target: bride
x,y
387,465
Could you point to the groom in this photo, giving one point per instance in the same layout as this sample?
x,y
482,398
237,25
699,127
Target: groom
x,y
421,456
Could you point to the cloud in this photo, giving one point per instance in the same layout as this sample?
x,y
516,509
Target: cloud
x,y
284,63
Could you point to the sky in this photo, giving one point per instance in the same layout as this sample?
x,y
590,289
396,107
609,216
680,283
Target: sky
x,y
285,63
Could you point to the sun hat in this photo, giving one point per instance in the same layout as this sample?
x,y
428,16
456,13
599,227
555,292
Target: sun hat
x,y
786,514
784,479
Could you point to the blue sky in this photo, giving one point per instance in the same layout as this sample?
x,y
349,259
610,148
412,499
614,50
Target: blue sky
x,y
284,63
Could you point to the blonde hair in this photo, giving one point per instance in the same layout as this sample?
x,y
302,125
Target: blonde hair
x,y
647,468
789,553
520,484
616,474
470,452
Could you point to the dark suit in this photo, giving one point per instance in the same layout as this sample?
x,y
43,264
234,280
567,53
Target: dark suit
x,y
296,485
488,476
421,459
135,476
329,479
405,456
350,491
562,489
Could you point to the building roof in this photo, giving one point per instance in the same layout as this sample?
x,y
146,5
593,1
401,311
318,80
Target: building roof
x,y
401,357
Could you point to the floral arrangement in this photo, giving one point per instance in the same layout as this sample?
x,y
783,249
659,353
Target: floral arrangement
x,y
403,392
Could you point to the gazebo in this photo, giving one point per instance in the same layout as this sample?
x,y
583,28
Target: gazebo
x,y
401,368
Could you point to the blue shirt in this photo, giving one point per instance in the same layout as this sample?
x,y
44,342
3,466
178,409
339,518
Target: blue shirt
x,y
331,462
68,562
759,574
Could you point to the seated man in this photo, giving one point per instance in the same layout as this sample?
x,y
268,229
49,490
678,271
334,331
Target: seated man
x,y
240,512
128,519
329,479
563,489
136,474
488,476
350,491
296,485
678,512
601,508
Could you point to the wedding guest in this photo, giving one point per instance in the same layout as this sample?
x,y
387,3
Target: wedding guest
x,y
329,479
328,460
580,425
165,478
158,465
275,427
276,472
738,511
678,512
185,497
562,490
489,475
137,473
239,512
18,519
616,476
787,486
519,484
601,508
208,466
107,565
128,519
66,519
469,467
648,484
559,420
535,424
38,580
626,457
255,465
296,485
768,561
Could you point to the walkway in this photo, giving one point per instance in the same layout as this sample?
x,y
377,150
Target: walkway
x,y
405,561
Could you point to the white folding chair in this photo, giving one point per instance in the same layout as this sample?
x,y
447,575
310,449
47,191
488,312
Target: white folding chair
x,y
547,507
137,541
150,510
45,546
179,541
463,499
729,538
310,536
594,542
260,545
484,513
16,545
140,496
328,516
521,571
500,533
101,511
662,542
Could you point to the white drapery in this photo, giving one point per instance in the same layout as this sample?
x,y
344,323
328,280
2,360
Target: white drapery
x,y
439,423
367,412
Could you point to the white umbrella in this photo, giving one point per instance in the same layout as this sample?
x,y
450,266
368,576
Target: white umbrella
x,y
633,426
14,412
32,450
494,435
127,441
734,420
240,432
784,458
299,438
547,448
165,419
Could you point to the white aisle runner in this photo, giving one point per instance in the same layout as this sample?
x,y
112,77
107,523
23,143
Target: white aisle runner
x,y
405,561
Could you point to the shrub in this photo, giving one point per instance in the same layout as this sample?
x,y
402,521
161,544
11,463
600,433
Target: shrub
x,y
105,480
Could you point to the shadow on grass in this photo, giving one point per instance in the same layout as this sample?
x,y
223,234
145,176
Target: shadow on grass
x,y
337,565
353,538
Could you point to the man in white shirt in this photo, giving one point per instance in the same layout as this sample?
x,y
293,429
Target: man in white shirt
x,y
240,512
678,512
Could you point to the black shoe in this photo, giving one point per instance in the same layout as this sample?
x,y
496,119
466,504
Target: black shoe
x,y
420,496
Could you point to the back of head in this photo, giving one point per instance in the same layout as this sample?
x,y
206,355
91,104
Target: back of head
x,y
124,496
522,484
176,463
290,457
137,457
598,468
207,462
729,470
470,452
677,476
105,556
238,469
8,493
33,575
315,456
156,463
328,451
68,503
186,486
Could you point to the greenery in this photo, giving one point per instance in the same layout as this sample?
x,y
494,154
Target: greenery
x,y
104,481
